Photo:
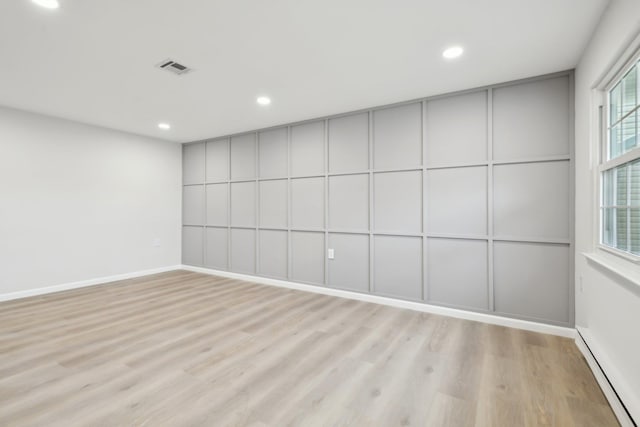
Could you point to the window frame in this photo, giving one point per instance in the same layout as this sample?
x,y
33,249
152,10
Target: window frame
x,y
604,163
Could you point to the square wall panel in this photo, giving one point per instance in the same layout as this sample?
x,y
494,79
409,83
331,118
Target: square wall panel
x,y
531,119
307,149
192,245
398,201
243,156
307,203
243,204
457,201
349,269
217,204
218,160
193,205
397,137
243,250
457,129
457,273
273,153
273,254
307,253
532,200
532,280
217,249
398,266
193,163
349,143
349,202
273,203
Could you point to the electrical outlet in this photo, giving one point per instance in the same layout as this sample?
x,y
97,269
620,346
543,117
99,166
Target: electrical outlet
x,y
331,253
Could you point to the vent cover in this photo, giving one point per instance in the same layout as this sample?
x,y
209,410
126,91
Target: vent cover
x,y
173,66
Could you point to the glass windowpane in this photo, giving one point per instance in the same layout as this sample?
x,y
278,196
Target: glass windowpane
x,y
608,224
615,105
629,135
629,90
615,141
634,171
621,187
621,224
608,188
634,218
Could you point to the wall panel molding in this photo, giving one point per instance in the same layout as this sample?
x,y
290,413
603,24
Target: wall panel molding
x,y
397,188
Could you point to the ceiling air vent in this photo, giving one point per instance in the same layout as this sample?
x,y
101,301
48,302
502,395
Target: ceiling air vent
x,y
173,66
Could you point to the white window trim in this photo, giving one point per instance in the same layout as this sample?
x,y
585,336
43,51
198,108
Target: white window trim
x,y
602,167
627,157
622,254
625,60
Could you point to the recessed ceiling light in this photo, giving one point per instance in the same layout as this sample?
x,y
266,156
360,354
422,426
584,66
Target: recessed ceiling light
x,y
48,4
453,52
263,100
164,126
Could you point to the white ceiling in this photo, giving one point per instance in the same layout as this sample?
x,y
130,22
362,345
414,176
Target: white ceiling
x,y
93,61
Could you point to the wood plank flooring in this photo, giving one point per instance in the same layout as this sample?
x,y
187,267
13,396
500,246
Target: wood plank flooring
x,y
186,349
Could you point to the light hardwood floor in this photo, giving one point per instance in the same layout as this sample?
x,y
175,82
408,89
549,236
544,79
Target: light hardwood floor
x,y
182,349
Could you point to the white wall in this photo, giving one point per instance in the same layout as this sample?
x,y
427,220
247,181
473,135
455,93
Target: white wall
x,y
79,202
608,307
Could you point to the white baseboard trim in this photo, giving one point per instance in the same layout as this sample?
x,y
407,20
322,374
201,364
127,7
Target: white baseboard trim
x,y
597,362
84,283
417,306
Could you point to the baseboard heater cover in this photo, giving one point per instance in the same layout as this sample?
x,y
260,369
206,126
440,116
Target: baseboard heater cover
x,y
608,389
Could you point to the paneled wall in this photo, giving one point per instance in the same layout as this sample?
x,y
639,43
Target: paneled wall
x,y
462,201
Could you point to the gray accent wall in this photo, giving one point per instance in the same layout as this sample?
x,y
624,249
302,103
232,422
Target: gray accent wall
x,y
463,200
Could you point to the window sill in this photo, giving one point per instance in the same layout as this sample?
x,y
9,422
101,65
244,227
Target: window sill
x,y
621,255
623,268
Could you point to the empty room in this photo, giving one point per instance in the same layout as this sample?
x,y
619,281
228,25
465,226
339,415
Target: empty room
x,y
320,213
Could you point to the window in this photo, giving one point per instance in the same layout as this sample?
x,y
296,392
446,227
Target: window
x,y
620,169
